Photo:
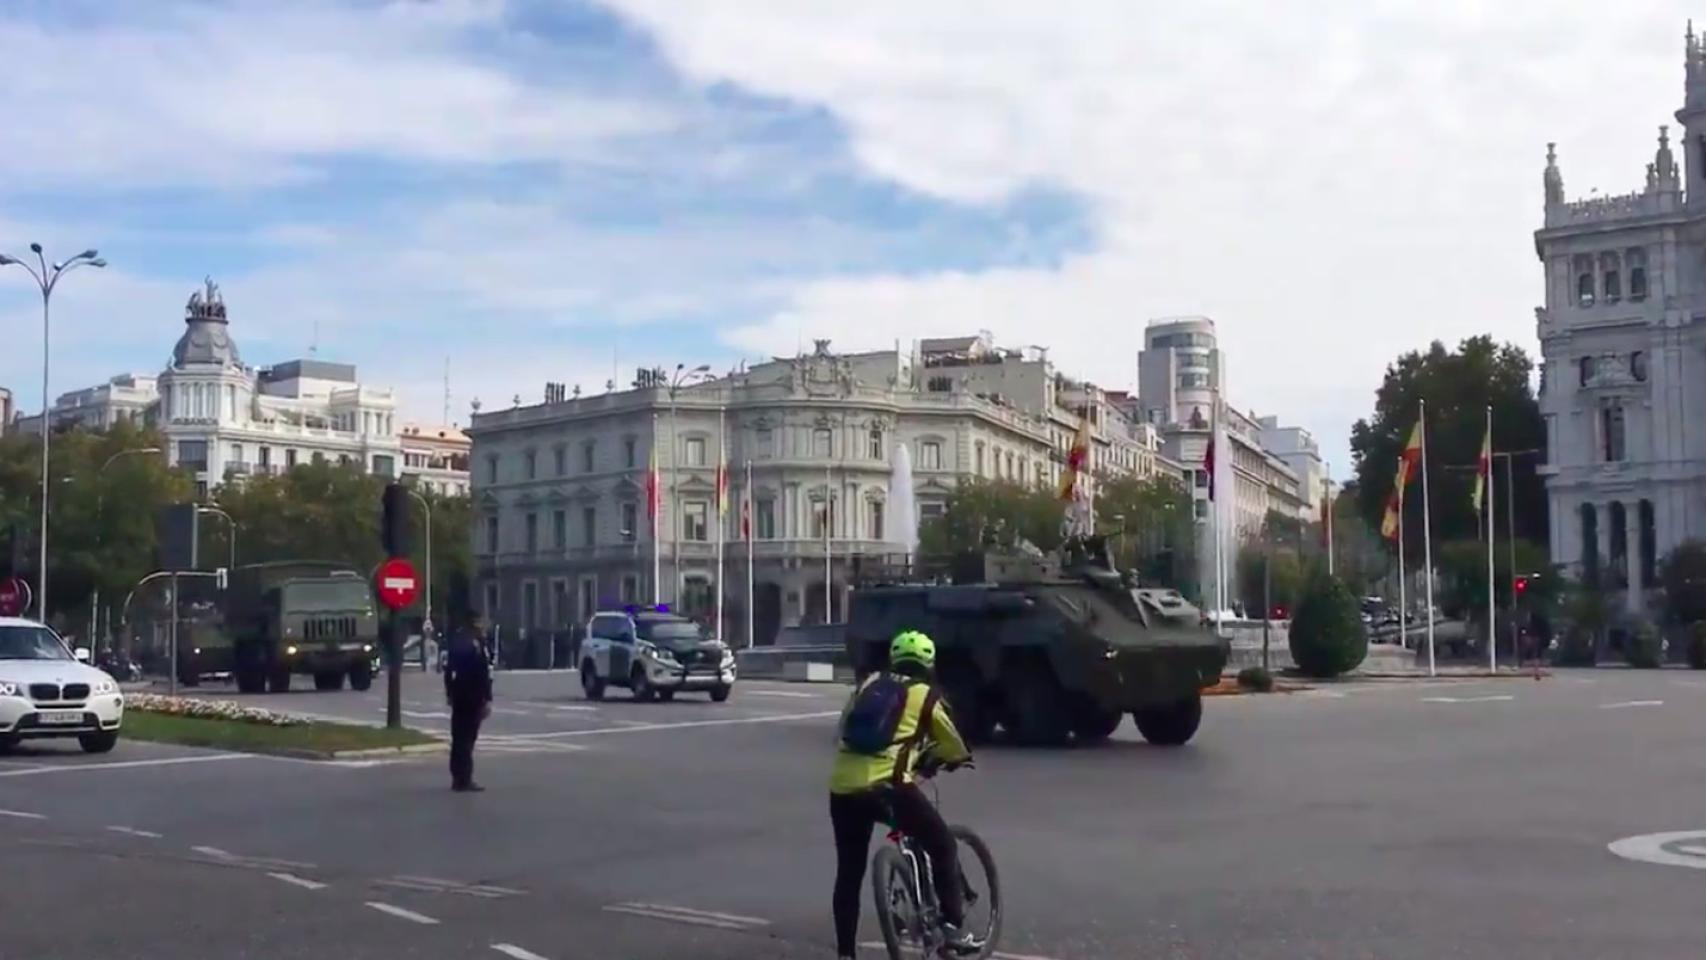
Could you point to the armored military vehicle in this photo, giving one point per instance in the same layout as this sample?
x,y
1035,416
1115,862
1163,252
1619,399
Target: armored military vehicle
x,y
300,617
1051,648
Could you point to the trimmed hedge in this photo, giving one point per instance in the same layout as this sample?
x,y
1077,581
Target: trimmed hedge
x,y
1327,636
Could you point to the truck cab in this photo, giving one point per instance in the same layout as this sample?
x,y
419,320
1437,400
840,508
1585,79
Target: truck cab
x,y
653,654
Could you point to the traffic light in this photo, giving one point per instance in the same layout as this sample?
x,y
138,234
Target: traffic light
x,y
394,526
1520,586
178,537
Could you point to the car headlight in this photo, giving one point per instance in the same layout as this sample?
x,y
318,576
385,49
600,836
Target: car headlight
x,y
290,651
10,689
104,687
728,659
660,655
367,648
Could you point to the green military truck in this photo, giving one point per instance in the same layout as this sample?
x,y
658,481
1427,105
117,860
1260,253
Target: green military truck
x,y
1053,649
300,618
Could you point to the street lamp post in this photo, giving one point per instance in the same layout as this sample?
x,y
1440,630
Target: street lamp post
x,y
100,524
232,528
47,277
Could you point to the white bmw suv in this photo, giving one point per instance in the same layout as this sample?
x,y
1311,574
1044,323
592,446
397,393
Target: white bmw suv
x,y
46,692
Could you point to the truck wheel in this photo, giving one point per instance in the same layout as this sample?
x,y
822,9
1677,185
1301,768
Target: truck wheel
x,y
641,687
361,677
1094,723
1171,725
278,680
1038,711
590,684
98,742
328,681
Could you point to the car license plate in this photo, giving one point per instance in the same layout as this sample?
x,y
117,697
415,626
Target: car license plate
x,y
59,718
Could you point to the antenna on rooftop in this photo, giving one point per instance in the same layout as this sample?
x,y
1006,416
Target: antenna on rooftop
x,y
446,391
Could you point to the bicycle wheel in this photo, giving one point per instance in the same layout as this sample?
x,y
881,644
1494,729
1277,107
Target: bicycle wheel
x,y
980,888
897,906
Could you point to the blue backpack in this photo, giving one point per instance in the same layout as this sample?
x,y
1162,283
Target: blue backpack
x,y
875,715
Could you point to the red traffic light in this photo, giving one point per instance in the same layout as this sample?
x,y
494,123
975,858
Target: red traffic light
x,y
1521,585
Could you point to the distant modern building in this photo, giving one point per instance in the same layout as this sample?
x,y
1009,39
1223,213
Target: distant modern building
x,y
560,487
437,457
225,420
1297,449
1623,342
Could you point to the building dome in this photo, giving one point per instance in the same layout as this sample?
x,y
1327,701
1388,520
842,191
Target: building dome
x,y
206,339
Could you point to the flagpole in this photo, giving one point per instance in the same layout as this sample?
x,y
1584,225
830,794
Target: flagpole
x,y
1330,571
828,518
656,507
722,517
1427,537
1219,528
751,613
1492,592
1403,602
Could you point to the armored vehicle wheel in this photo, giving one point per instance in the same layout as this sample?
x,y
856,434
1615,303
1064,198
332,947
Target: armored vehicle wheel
x,y
591,685
721,694
361,677
1170,725
278,681
328,681
974,716
251,680
1093,723
1036,710
641,687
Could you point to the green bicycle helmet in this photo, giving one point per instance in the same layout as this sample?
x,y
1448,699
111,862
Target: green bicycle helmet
x,y
913,646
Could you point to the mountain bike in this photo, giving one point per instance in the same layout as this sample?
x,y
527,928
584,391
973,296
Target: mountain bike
x,y
907,911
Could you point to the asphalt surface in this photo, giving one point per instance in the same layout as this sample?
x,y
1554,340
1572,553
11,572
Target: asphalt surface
x,y
1384,820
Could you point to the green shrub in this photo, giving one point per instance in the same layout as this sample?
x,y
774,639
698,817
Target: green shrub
x,y
1257,679
1643,648
1327,637
1697,645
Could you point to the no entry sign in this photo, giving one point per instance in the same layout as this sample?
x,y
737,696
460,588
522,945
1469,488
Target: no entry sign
x,y
14,597
397,584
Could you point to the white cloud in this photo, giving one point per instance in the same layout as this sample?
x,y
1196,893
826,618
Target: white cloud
x,y
1332,186
240,96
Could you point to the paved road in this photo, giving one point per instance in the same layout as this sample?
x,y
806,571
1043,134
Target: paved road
x,y
1396,820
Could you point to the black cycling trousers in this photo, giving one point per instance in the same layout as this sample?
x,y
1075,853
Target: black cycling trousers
x,y
853,816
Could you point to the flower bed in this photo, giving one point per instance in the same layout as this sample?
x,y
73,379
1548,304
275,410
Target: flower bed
x,y
211,710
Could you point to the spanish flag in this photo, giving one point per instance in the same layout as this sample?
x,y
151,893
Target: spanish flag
x,y
1483,469
1407,462
1077,459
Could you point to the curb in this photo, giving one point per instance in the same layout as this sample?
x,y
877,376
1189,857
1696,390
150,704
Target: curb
x,y
415,750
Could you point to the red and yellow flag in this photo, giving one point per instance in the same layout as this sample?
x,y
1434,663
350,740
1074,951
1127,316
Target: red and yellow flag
x,y
1407,463
722,488
1484,468
652,488
1077,460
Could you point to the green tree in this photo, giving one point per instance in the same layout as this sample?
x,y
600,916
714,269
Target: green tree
x,y
1360,557
1327,637
1285,573
1462,570
1458,386
1684,579
979,513
1153,532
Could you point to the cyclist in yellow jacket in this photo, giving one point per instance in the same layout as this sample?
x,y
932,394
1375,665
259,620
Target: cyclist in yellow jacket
x,y
893,720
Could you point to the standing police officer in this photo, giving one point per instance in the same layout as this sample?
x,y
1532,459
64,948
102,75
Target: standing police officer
x,y
468,687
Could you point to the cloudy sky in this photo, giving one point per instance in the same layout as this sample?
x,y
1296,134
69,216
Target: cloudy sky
x,y
555,190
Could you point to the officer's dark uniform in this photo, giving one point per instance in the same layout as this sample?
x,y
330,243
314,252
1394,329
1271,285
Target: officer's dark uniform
x,y
468,687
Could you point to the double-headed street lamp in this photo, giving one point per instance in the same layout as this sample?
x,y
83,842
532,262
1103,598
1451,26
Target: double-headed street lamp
x,y
232,529
682,377
47,278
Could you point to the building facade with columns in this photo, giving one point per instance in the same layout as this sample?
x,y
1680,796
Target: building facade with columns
x,y
561,487
1623,377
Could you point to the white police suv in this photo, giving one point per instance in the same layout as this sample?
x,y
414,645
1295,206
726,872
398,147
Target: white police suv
x,y
46,691
654,654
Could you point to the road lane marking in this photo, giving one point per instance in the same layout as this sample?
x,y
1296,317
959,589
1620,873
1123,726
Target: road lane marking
x,y
128,764
22,815
681,725
1631,703
264,863
436,885
133,832
297,881
511,950
789,694
399,912
572,707
698,918
1491,699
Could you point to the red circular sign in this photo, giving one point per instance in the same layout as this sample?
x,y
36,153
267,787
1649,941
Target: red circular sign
x,y
396,583
14,597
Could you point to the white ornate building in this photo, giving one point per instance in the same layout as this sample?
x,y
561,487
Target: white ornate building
x,y
560,487
225,420
1623,338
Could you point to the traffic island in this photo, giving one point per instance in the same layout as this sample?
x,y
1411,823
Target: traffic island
x,y
224,725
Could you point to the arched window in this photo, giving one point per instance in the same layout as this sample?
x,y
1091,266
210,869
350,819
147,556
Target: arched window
x,y
1586,365
1638,366
1584,280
